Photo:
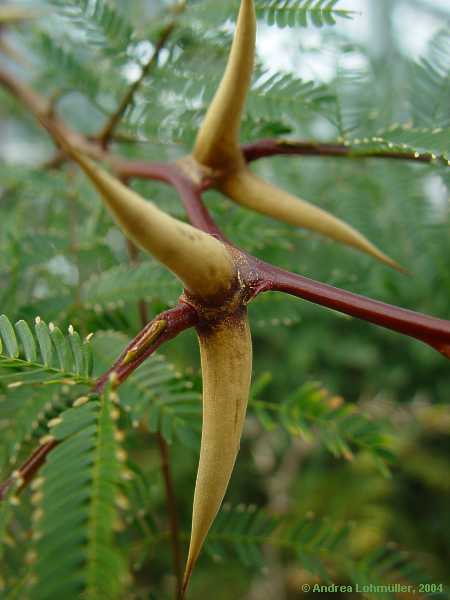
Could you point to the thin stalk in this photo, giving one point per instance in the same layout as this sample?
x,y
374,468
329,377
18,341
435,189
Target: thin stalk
x,y
276,147
109,128
177,319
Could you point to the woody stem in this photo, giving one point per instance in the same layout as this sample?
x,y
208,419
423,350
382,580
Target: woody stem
x,y
266,148
178,319
197,212
433,331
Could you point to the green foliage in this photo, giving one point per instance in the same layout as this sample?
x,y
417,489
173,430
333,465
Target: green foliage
x,y
290,13
103,25
66,357
285,92
300,12
157,396
24,415
62,69
246,530
119,285
76,508
313,414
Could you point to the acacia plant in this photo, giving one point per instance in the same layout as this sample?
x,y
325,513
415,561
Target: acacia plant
x,y
76,469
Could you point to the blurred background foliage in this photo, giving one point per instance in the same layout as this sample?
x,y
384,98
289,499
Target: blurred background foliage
x,y
343,472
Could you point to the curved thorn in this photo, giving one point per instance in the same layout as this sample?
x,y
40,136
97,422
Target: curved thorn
x,y
217,142
249,190
199,260
226,357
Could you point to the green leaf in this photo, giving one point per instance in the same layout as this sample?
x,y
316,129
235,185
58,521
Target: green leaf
x,y
106,28
88,358
9,337
26,411
74,537
74,420
77,349
64,354
27,339
119,285
44,341
300,13
22,365
311,412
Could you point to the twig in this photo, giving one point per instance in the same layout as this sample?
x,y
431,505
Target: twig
x,y
129,169
274,147
27,470
191,198
433,331
177,319
107,132
189,192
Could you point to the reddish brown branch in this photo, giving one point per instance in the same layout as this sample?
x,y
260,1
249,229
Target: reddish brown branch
x,y
139,169
177,319
433,331
28,469
190,193
197,212
273,147
171,174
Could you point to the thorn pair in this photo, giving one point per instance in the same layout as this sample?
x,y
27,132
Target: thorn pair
x,y
217,147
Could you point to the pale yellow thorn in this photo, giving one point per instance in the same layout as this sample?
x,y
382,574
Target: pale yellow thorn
x,y
217,143
226,358
249,190
200,261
